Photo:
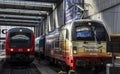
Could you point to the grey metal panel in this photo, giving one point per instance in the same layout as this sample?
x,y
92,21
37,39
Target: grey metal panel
x,y
117,19
111,18
47,25
52,22
108,18
60,13
102,5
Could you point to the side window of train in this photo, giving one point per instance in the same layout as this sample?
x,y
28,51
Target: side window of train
x,y
67,34
62,36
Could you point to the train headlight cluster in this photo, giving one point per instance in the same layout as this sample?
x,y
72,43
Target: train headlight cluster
x,y
109,53
11,49
74,50
28,50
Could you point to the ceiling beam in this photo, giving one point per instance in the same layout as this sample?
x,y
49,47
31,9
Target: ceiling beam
x,y
7,16
23,12
16,24
48,1
19,21
26,5
2,16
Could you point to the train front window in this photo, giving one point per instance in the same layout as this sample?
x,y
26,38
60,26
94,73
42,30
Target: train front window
x,y
100,34
89,32
83,33
20,40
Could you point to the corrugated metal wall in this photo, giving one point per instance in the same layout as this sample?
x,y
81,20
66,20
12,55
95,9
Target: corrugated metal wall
x,y
107,11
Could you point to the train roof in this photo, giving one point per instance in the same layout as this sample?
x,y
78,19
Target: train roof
x,y
86,20
75,21
20,30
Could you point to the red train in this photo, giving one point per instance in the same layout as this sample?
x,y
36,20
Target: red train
x,y
20,44
79,43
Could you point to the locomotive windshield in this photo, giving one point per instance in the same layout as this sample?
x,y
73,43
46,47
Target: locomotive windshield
x,y
90,31
83,32
20,40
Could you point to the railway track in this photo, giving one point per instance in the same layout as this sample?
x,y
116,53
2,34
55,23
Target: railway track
x,y
18,69
43,67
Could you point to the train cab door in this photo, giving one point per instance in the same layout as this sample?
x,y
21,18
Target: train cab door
x,y
63,42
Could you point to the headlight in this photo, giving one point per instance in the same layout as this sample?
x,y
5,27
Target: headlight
x,y
75,50
11,49
28,50
109,53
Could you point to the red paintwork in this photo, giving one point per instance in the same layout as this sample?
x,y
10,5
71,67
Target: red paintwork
x,y
87,60
7,45
22,50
